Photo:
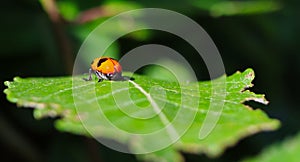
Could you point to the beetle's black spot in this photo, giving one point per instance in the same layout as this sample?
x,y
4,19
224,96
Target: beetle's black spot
x,y
92,62
101,60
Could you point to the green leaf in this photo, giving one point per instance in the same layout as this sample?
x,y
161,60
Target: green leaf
x,y
147,114
285,151
70,9
229,8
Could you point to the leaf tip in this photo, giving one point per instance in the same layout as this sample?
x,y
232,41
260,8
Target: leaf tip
x,y
261,100
249,74
276,124
7,83
8,93
16,79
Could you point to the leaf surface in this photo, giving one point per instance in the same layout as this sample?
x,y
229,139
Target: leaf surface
x,y
153,118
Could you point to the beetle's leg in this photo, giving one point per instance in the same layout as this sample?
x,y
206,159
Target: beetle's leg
x,y
99,76
90,75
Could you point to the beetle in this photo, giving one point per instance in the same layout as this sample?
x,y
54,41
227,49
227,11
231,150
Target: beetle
x,y
106,68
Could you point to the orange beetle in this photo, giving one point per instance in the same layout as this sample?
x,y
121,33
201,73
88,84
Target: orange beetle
x,y
106,68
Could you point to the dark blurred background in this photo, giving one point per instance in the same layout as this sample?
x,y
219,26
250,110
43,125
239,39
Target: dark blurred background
x,y
41,38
